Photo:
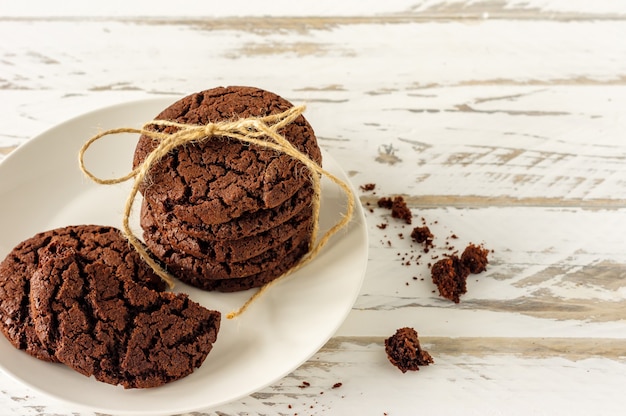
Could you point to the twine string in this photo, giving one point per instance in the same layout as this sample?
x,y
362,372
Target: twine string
x,y
259,131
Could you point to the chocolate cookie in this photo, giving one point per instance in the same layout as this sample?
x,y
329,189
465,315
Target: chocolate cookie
x,y
248,224
101,322
221,179
186,266
248,282
226,250
22,262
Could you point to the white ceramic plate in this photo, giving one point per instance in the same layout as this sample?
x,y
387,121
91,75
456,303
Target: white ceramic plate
x,y
41,187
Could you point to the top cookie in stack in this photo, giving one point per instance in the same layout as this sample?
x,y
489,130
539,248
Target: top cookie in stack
x,y
225,215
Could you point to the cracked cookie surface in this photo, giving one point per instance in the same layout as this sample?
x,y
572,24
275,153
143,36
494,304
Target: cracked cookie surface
x,y
101,322
217,180
17,269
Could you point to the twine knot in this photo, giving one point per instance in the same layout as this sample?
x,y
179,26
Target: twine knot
x,y
260,131
210,129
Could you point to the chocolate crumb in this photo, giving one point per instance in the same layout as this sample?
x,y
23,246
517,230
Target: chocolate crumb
x,y
382,226
404,351
385,203
368,187
398,208
422,235
450,277
475,258
337,385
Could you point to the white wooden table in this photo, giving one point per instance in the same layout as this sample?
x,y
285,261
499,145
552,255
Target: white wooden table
x,y
501,122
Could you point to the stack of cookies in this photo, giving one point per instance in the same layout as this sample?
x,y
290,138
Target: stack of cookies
x,y
221,214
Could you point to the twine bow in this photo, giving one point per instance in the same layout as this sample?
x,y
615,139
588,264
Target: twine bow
x,y
259,131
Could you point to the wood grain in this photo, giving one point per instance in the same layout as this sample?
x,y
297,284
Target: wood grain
x,y
499,122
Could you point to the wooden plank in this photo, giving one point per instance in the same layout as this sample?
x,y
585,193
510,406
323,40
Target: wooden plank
x,y
401,56
430,9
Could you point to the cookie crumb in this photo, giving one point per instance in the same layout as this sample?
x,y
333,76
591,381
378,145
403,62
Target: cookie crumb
x,y
422,235
450,277
475,258
398,207
385,203
404,351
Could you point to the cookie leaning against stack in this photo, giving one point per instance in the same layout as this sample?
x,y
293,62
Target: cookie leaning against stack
x,y
221,214
80,295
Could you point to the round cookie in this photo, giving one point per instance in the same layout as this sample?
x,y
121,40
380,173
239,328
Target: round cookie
x,y
101,322
23,261
220,179
186,266
226,250
247,225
